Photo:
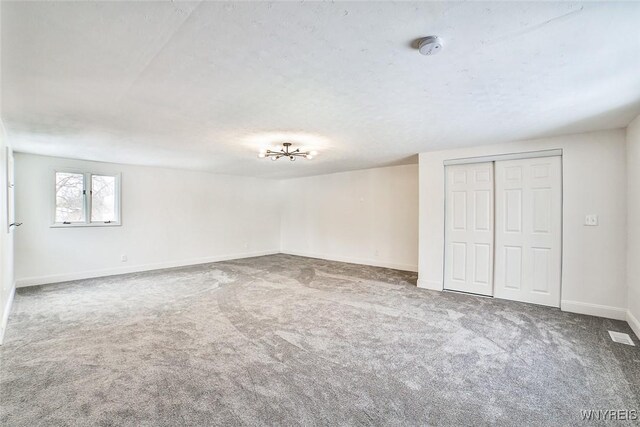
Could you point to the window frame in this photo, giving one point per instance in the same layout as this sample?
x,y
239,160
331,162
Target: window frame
x,y
87,199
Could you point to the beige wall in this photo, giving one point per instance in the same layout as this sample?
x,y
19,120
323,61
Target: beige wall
x,y
366,217
594,182
633,223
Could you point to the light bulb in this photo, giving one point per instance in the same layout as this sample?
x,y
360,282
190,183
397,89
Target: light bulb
x,y
313,153
274,158
262,154
309,156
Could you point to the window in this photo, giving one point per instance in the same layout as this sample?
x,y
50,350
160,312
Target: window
x,y
70,197
83,198
103,198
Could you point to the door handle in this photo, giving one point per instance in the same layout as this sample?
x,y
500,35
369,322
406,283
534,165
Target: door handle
x,y
15,224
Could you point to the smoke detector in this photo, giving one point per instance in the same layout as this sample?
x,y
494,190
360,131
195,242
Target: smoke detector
x,y
430,45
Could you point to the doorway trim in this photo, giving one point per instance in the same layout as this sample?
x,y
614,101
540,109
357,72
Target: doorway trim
x,y
510,156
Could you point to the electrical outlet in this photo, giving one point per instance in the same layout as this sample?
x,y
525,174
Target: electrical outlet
x,y
591,220
123,258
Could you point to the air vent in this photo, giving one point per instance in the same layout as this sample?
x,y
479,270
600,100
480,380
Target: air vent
x,y
621,338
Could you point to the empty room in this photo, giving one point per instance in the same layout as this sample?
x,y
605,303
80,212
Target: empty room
x,y
319,213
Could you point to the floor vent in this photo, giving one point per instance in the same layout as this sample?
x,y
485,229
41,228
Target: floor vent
x,y
621,338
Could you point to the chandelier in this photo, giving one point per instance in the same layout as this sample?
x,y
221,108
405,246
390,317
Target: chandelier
x,y
284,152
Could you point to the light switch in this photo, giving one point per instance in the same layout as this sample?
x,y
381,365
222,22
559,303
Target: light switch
x,y
591,220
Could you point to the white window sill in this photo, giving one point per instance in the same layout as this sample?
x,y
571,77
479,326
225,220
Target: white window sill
x,y
84,224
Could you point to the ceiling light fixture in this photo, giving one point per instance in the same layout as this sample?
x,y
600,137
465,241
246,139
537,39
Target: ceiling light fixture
x,y
284,152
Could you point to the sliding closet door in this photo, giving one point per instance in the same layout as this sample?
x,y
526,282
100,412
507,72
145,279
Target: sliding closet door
x,y
469,228
529,230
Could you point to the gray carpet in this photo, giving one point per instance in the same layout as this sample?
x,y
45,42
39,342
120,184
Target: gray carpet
x,y
284,340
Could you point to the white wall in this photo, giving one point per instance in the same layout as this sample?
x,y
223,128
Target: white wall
x,y
6,241
594,182
169,218
366,217
173,217
633,223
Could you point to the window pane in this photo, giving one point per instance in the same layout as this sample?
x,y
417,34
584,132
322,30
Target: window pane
x,y
103,198
69,197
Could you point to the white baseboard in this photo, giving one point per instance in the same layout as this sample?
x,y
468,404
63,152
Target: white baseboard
x,y
434,285
634,323
594,309
361,261
5,313
57,278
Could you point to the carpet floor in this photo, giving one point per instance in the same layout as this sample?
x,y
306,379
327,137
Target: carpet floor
x,y
284,340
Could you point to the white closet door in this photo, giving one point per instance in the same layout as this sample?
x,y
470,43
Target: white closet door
x,y
528,230
469,228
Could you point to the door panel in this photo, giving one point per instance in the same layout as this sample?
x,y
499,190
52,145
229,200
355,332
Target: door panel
x,y
483,206
459,210
459,260
528,230
513,211
469,228
482,264
513,267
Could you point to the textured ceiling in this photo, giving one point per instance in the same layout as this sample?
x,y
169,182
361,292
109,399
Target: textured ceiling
x,y
206,85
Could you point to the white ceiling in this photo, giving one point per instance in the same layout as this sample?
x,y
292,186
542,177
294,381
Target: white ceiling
x,y
206,85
